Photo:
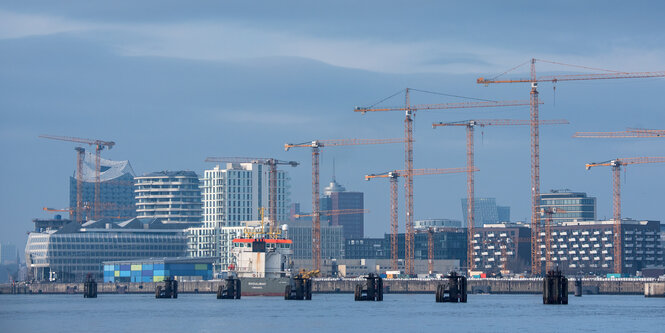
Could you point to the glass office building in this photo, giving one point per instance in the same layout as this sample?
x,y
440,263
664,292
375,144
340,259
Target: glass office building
x,y
69,253
577,206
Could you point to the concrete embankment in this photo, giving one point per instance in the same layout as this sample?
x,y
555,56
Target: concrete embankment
x,y
492,286
654,289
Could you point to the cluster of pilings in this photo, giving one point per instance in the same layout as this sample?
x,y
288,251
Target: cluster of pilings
x,y
168,290
90,287
371,290
230,289
299,288
453,290
555,288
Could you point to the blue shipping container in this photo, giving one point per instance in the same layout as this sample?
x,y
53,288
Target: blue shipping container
x,y
158,267
147,267
124,273
125,267
146,273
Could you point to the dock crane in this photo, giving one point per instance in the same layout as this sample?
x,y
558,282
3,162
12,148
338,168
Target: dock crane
x,y
99,146
616,180
470,183
272,185
316,146
534,116
410,113
392,176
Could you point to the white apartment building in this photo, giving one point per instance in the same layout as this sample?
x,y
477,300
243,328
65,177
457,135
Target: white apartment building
x,y
235,194
171,196
232,196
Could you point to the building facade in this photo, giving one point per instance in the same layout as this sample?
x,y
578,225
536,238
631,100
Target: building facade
x,y
156,270
335,197
116,190
332,240
447,244
572,206
501,247
235,194
486,211
69,253
171,196
587,247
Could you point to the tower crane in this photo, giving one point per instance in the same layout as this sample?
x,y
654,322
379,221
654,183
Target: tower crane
x,y
616,180
393,176
316,146
272,185
470,184
410,113
534,116
99,146
548,212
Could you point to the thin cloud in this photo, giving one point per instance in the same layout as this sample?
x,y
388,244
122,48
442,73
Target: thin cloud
x,y
235,41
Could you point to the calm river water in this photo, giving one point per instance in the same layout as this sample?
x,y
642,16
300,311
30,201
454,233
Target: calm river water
x,y
327,313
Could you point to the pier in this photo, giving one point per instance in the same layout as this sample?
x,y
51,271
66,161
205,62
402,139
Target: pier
x,y
615,286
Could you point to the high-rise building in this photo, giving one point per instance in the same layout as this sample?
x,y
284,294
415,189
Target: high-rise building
x,y
8,254
172,196
503,213
577,206
232,200
116,190
236,193
485,211
336,197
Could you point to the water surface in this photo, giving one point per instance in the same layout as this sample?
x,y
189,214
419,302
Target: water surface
x,y
327,313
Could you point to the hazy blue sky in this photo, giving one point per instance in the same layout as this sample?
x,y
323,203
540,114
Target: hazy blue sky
x,y
171,83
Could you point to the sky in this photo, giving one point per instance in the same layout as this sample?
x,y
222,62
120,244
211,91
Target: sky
x,y
173,83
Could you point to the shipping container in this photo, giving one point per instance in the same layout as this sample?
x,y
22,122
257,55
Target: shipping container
x,y
136,267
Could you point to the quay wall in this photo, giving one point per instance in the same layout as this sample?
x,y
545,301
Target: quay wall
x,y
654,289
324,285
